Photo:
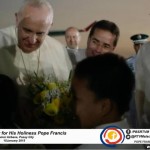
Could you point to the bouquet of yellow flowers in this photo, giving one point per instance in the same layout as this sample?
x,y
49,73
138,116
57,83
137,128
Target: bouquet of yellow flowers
x,y
52,102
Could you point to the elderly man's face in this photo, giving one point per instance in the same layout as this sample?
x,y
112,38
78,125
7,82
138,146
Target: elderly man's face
x,y
72,37
102,41
33,25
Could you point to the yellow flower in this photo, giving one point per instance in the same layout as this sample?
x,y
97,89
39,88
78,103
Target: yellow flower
x,y
53,99
51,109
51,86
56,101
44,95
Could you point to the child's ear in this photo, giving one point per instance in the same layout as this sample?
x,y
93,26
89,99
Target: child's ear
x,y
105,106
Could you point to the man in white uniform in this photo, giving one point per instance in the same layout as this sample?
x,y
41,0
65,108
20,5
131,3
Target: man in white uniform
x,y
27,49
138,41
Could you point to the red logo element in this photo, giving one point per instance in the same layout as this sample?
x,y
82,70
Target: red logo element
x,y
112,135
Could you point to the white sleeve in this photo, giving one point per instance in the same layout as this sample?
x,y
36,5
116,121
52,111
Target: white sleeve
x,y
57,57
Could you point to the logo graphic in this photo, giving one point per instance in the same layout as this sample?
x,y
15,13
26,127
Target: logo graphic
x,y
112,135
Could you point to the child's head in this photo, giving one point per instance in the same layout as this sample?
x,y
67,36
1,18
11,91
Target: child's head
x,y
102,88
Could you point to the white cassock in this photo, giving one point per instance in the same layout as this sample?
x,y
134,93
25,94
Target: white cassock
x,y
50,59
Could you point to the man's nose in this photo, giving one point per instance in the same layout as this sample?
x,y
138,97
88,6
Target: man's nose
x,y
32,39
99,48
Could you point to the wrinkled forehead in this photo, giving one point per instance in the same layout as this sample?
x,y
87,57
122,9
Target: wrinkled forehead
x,y
41,13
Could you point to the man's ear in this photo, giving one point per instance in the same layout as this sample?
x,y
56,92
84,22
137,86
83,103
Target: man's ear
x,y
49,29
79,37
